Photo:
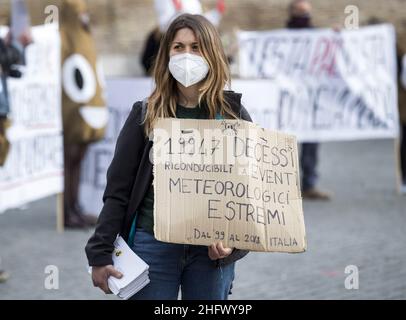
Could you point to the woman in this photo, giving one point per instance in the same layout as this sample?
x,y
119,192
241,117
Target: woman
x,y
190,74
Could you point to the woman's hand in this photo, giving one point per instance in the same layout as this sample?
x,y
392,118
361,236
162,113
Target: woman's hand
x,y
101,274
217,251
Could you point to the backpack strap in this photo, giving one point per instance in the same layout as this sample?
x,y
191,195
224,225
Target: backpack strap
x,y
219,116
130,240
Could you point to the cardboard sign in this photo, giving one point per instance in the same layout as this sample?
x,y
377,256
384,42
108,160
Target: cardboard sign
x,y
230,181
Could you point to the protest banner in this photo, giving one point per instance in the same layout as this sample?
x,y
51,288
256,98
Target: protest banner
x,y
322,85
228,181
34,166
121,95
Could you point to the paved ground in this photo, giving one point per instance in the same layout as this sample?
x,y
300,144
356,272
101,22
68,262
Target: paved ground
x,y
365,226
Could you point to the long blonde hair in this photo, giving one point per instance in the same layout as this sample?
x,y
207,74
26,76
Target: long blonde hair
x,y
162,102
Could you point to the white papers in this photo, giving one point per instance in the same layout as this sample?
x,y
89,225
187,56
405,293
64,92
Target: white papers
x,y
134,270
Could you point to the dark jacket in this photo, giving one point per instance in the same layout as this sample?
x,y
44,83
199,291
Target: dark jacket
x,y
128,179
401,89
9,56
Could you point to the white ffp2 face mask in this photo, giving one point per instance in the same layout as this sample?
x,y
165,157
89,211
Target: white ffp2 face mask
x,y
188,69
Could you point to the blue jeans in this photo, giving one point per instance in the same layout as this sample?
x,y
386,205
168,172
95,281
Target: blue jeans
x,y
4,103
308,161
177,265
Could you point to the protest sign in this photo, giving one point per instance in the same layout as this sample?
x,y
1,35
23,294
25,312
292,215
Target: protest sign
x,y
228,181
322,85
34,166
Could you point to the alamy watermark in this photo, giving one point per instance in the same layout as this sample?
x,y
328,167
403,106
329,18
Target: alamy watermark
x,y
351,281
52,13
51,281
351,21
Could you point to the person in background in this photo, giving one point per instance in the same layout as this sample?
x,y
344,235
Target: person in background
x,y
9,57
401,60
168,10
299,18
4,276
401,77
84,111
150,51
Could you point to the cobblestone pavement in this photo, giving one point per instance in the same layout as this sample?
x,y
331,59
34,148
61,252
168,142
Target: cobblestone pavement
x,y
364,225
